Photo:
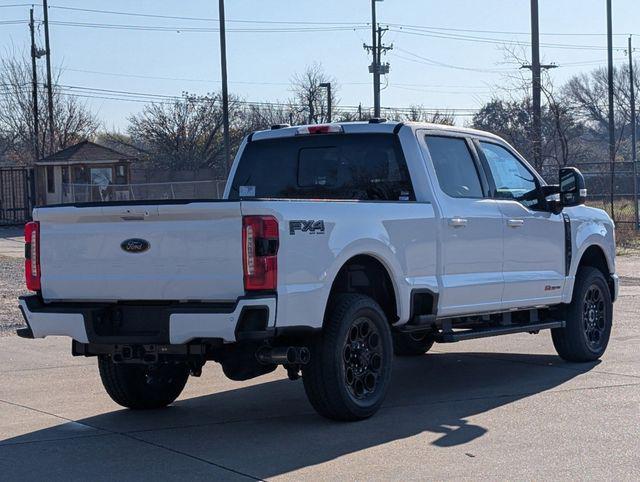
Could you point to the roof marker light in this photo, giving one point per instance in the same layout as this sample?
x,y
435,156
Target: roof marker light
x,y
320,129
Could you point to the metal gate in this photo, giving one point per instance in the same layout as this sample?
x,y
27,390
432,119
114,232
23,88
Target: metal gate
x,y
17,190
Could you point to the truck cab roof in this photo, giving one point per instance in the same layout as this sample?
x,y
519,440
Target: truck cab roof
x,y
362,127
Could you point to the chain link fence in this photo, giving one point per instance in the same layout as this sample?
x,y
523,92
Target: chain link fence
x,y
619,199
79,193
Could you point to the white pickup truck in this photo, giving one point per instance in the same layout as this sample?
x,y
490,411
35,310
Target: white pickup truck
x,y
334,247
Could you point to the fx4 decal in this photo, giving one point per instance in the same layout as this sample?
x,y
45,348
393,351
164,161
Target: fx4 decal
x,y
311,226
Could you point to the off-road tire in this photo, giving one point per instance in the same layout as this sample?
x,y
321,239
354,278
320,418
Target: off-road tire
x,y
408,344
588,319
349,371
140,386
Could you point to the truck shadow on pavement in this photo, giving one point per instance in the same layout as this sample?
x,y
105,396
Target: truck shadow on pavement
x,y
269,428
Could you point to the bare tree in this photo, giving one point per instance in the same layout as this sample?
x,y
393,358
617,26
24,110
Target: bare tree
x,y
310,96
418,113
510,115
73,121
263,116
186,133
587,95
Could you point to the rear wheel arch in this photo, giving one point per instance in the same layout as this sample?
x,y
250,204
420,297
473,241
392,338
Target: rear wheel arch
x,y
367,275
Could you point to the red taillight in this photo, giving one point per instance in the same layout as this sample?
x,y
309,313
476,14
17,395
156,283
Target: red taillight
x,y
260,252
32,255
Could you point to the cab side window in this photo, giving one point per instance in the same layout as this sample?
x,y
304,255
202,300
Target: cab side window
x,y
455,168
511,177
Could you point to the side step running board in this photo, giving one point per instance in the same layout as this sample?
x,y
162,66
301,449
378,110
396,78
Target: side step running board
x,y
451,336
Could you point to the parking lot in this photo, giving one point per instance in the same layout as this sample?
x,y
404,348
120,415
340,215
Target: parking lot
x,y
502,408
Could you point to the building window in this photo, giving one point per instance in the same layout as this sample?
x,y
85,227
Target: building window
x,y
101,175
51,181
121,174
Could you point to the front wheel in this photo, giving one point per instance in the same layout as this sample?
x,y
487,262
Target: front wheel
x,y
141,386
350,367
588,319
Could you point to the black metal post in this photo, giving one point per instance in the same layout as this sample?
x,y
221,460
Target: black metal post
x,y
634,153
612,132
327,85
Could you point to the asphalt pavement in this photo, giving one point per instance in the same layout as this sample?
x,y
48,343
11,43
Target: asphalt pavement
x,y
500,408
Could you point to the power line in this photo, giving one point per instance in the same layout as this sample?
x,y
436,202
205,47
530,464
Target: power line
x,y
183,79
502,32
203,19
436,63
183,29
306,22
112,94
249,82
475,39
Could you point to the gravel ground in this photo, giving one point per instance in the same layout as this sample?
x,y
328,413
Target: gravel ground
x,y
11,286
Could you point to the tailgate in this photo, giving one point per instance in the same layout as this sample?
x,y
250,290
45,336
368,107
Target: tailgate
x,y
190,251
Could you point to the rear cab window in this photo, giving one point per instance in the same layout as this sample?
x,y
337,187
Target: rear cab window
x,y
367,167
456,170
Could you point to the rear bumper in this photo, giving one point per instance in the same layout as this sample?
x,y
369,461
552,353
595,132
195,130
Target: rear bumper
x,y
145,323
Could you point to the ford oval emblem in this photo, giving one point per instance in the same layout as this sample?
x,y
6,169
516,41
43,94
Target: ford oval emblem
x,y
135,245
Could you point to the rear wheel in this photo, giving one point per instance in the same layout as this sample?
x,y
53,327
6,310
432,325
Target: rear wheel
x,y
350,368
141,386
411,344
588,317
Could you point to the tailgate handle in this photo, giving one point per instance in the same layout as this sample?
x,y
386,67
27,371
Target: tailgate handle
x,y
129,214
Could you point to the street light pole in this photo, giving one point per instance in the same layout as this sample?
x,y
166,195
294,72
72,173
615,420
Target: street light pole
x,y
327,85
225,91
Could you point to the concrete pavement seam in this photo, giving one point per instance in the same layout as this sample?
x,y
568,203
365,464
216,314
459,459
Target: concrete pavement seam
x,y
384,407
185,454
498,357
128,435
45,368
58,439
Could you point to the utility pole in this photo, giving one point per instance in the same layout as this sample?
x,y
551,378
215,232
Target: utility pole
x,y
327,85
536,79
374,65
537,86
612,132
634,153
47,48
225,90
34,83
376,68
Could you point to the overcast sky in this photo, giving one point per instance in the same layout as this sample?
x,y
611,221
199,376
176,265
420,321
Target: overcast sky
x,y
447,54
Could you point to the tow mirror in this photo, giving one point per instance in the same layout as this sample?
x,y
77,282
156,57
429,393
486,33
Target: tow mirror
x,y
573,191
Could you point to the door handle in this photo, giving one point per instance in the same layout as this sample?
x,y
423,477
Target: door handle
x,y
457,222
515,223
